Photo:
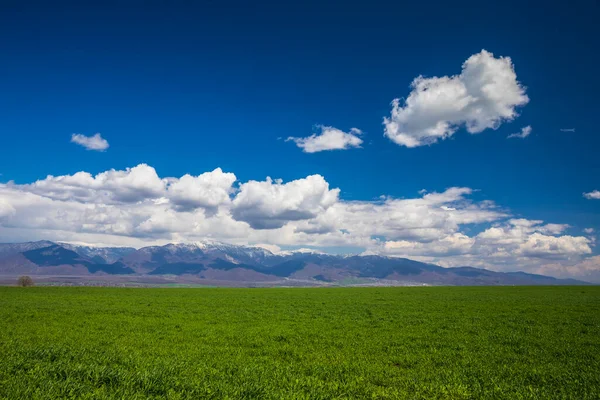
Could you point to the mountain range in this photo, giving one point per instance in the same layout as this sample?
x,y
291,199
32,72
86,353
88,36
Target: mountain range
x,y
219,263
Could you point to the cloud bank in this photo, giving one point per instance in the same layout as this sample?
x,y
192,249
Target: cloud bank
x,y
137,207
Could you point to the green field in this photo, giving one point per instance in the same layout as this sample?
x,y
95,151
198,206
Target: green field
x,y
343,343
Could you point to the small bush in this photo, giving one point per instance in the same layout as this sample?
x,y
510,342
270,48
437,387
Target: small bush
x,y
25,281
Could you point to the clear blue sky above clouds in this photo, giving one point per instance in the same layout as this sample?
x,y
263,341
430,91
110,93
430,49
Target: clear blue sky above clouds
x,y
187,87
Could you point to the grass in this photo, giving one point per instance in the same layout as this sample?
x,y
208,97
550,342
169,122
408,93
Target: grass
x,y
323,343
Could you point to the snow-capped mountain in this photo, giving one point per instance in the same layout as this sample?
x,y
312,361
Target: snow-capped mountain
x,y
221,262
107,255
16,248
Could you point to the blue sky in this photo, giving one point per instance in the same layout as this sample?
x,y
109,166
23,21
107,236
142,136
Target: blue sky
x,y
186,88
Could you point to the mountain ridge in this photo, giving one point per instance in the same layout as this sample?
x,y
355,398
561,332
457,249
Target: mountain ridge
x,y
215,261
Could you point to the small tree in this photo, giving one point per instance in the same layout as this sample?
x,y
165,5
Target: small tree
x,y
25,281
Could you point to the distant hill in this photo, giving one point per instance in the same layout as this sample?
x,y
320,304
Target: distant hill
x,y
243,265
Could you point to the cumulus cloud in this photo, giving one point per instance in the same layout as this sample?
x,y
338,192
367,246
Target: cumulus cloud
x,y
531,238
589,231
525,131
510,245
594,195
453,244
208,190
95,142
429,218
271,204
485,94
127,186
540,245
554,229
6,208
587,269
329,138
137,207
138,184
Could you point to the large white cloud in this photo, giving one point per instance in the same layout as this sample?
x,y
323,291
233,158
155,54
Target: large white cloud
x,y
482,96
128,186
138,184
329,138
271,204
429,218
137,207
208,190
540,245
531,239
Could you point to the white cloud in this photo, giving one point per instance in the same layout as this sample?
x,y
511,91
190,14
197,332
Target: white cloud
x,y
498,247
587,269
525,131
567,130
96,142
330,138
128,186
271,204
554,229
137,207
595,195
589,231
528,238
208,190
138,184
485,94
539,245
422,219
6,208
456,243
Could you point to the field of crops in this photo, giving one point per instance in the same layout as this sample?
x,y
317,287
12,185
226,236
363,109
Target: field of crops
x,y
354,343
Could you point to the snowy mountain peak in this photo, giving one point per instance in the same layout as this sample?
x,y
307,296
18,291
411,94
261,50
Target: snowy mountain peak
x,y
13,248
299,251
107,254
220,261
214,245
